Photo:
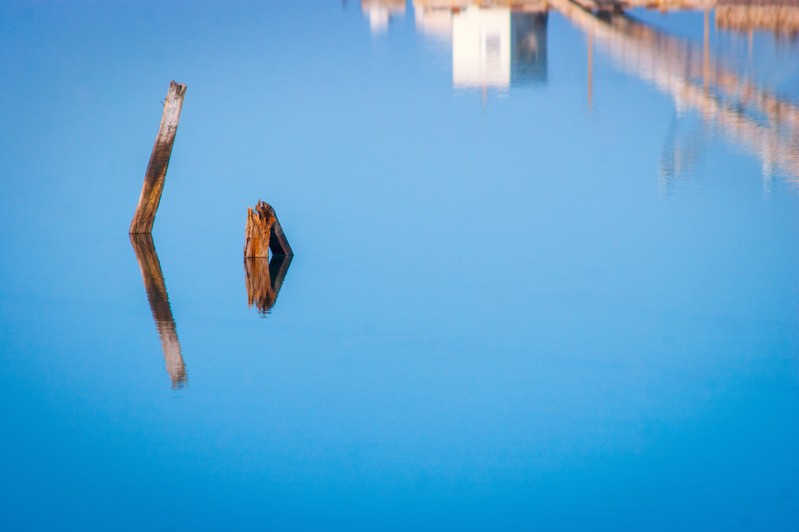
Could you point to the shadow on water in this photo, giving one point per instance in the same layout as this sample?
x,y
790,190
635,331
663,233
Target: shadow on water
x,y
263,278
157,295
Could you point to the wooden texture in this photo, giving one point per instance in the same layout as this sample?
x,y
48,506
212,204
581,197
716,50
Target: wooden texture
x,y
158,298
264,278
264,232
155,176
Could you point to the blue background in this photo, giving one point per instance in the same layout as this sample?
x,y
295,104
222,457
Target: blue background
x,y
498,316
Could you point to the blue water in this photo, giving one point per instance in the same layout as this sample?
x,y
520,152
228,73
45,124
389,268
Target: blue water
x,y
512,305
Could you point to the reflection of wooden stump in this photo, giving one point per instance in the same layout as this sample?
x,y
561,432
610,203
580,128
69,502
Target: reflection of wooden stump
x,y
157,295
264,279
263,232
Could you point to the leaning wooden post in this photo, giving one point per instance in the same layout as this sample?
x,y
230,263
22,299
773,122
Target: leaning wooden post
x,y
263,232
159,161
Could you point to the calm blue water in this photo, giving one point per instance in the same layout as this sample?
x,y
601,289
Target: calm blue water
x,y
527,292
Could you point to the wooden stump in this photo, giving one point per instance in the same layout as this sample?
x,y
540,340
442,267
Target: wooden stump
x,y
155,176
263,232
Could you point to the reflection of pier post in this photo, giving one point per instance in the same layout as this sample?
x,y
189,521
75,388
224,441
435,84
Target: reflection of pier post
x,y
706,51
674,65
590,69
264,278
157,295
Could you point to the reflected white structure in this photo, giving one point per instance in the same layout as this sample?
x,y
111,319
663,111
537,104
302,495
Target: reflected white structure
x,y
501,43
481,48
380,13
492,46
434,23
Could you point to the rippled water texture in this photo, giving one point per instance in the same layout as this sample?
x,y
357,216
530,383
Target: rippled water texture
x,y
545,270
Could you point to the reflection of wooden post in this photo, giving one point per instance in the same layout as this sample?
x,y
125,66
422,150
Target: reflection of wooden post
x,y
590,69
155,287
159,161
264,279
263,232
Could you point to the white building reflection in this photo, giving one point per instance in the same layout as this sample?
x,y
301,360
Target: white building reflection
x,y
493,45
433,23
497,44
380,13
481,48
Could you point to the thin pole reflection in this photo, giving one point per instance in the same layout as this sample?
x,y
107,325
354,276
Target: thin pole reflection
x,y
157,295
590,69
730,101
263,279
706,51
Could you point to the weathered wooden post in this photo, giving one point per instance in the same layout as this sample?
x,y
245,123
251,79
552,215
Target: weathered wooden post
x,y
159,161
263,232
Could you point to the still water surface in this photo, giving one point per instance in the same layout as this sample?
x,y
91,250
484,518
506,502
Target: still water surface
x,y
545,271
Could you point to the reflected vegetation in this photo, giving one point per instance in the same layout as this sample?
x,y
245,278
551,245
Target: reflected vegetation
x,y
157,295
737,15
263,278
497,44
